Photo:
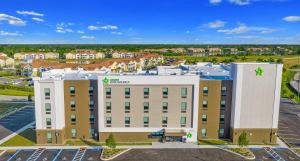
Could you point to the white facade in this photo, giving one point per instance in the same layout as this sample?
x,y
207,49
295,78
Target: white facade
x,y
255,98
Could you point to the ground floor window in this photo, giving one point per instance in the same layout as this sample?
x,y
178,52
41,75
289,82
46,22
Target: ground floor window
x,y
73,133
203,132
221,133
49,137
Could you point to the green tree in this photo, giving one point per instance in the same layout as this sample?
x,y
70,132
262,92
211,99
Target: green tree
x,y
279,61
243,139
244,58
29,98
110,141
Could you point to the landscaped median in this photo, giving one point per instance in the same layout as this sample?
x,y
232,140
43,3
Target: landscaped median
x,y
243,152
111,153
25,138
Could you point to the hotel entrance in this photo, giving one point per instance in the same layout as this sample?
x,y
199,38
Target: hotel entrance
x,y
174,136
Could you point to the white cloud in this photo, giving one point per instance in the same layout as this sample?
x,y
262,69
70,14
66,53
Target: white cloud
x,y
62,28
4,33
240,2
216,24
215,1
38,19
106,27
292,18
12,20
88,37
238,30
116,33
80,32
31,13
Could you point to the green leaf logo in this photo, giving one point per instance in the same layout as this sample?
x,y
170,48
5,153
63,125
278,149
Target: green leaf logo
x,y
105,81
189,135
259,71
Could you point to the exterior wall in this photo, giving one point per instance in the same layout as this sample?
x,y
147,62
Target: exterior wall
x,y
129,137
19,56
255,98
58,137
255,136
155,84
227,111
55,100
82,110
155,100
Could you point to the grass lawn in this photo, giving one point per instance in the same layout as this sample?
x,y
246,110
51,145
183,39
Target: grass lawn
x,y
214,142
8,107
242,151
25,138
12,92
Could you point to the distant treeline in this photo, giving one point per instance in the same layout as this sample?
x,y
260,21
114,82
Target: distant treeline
x,y
11,49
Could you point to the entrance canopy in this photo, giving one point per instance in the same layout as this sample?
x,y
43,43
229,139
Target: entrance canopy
x,y
174,132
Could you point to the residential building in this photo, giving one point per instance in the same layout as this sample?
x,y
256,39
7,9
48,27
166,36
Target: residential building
x,y
28,57
186,103
6,61
122,55
84,54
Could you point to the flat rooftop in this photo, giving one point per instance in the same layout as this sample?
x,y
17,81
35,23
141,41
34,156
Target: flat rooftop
x,y
205,70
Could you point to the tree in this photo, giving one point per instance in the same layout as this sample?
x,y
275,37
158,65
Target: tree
x,y
244,58
243,140
110,141
279,61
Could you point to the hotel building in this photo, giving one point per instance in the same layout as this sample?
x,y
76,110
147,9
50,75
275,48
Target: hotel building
x,y
185,103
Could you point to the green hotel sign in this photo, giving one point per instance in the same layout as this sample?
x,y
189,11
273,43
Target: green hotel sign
x,y
259,71
107,81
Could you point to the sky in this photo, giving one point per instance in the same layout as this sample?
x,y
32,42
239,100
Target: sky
x,y
150,22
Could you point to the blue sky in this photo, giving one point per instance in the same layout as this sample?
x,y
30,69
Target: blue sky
x,y
155,21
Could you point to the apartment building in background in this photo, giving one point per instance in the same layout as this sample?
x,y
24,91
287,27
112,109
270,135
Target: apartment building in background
x,y
183,103
28,57
84,54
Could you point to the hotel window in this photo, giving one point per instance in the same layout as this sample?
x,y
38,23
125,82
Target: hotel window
x,y
72,104
183,121
108,92
203,132
91,91
146,121
164,121
223,91
146,107
223,104
165,92
183,92
48,122
127,92
183,106
49,137
146,92
127,121
204,118
73,133
221,135
222,118
91,131
73,119
127,107
108,107
72,90
205,91
204,103
92,104
108,121
165,107
48,108
92,118
47,93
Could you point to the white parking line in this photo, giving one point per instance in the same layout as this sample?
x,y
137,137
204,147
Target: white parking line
x,y
55,158
14,155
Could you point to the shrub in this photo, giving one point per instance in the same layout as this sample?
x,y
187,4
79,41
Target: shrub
x,y
243,140
110,141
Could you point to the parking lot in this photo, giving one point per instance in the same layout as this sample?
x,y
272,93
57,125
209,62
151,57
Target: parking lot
x,y
51,154
289,123
16,121
286,154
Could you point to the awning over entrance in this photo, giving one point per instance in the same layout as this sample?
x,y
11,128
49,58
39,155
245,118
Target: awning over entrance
x,y
174,132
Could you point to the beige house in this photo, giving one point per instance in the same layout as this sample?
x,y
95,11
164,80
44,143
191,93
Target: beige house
x,y
6,61
85,54
122,55
33,56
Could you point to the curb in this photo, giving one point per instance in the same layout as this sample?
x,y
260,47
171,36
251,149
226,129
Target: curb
x,y
252,158
114,156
